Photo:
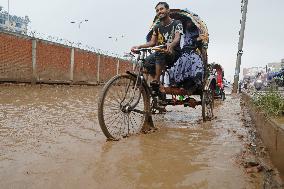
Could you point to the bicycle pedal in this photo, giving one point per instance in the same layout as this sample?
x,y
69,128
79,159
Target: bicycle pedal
x,y
162,103
154,93
154,84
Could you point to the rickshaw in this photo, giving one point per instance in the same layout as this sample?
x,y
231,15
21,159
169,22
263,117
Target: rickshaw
x,y
219,73
127,102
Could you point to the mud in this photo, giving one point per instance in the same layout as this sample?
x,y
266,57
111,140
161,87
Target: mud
x,y
271,133
50,138
280,121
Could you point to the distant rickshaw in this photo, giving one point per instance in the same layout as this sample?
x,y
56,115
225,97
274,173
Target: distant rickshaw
x,y
219,74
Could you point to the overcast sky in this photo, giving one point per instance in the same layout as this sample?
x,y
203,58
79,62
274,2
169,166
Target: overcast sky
x,y
264,34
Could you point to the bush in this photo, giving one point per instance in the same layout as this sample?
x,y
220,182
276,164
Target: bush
x,y
271,102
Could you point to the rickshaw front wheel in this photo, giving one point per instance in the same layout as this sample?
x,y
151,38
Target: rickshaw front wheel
x,y
123,107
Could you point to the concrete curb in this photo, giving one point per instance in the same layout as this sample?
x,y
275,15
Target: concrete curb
x,y
271,133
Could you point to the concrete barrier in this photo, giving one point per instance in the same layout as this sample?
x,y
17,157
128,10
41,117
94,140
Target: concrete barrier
x,y
270,131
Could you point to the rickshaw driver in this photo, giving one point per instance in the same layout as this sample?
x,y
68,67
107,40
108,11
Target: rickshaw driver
x,y
167,32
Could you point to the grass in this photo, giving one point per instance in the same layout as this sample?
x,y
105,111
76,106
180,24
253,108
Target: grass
x,y
272,103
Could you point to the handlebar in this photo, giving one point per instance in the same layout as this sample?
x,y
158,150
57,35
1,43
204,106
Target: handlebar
x,y
155,48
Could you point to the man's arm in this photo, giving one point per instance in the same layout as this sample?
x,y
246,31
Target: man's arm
x,y
151,43
176,41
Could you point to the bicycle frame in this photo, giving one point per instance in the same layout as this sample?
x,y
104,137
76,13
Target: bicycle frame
x,y
138,73
141,81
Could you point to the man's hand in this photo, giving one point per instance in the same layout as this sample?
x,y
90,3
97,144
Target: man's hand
x,y
134,48
170,48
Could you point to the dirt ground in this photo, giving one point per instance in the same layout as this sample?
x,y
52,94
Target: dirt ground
x,y
50,138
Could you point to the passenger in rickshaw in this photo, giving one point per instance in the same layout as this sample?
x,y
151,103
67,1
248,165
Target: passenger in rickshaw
x,y
188,70
167,32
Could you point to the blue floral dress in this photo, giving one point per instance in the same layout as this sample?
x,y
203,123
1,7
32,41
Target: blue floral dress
x,y
189,65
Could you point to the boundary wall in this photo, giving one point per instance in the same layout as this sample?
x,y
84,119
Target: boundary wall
x,y
27,59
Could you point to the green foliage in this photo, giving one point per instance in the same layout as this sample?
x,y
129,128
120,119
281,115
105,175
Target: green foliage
x,y
272,103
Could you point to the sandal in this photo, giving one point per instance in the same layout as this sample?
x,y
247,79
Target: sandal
x,y
154,83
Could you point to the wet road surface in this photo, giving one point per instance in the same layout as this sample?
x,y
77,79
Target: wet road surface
x,y
50,138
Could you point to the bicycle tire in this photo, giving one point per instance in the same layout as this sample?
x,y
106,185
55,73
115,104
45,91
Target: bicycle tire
x,y
116,84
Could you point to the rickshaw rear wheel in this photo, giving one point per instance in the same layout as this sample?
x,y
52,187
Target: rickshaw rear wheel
x,y
223,96
117,100
208,104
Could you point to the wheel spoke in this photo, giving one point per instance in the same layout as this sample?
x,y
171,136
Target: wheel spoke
x,y
113,119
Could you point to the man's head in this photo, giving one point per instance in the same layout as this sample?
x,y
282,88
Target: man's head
x,y
162,10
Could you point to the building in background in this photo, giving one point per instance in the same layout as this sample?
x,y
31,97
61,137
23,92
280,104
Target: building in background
x,y
275,66
13,23
270,67
253,71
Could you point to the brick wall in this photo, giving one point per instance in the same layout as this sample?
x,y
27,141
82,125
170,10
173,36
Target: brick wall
x,y
108,68
124,65
15,58
25,59
52,62
86,66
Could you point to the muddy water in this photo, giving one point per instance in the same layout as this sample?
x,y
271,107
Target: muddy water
x,y
50,138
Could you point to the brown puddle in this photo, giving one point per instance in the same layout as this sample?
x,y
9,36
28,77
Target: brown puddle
x,y
50,138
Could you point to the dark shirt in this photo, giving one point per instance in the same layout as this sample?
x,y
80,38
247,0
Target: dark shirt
x,y
166,34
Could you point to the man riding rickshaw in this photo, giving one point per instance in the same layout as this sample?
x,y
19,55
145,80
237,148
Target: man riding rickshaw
x,y
185,66
177,67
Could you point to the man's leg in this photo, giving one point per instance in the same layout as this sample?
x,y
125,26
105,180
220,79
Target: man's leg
x,y
150,65
159,69
161,61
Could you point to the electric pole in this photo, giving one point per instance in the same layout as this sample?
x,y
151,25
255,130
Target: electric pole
x,y
240,46
9,15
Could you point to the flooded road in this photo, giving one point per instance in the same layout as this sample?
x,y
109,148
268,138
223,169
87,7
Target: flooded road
x,y
50,138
